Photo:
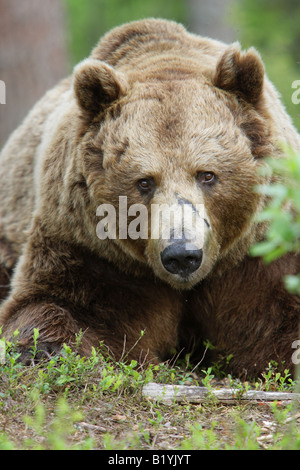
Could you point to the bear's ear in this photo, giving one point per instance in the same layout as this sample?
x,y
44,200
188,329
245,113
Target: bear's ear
x,y
241,73
96,85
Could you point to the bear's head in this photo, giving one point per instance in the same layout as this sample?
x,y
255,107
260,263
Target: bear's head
x,y
171,160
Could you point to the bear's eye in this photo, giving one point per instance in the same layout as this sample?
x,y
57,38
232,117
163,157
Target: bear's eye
x,y
206,177
145,185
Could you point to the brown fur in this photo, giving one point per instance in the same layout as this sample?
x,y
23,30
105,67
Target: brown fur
x,y
240,318
152,101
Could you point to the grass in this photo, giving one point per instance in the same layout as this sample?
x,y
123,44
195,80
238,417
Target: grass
x,y
74,402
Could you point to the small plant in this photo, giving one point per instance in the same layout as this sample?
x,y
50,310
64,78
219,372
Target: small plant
x,y
157,420
275,380
35,338
202,439
240,388
208,376
246,435
56,435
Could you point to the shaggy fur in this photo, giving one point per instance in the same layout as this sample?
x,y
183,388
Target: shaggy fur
x,y
156,103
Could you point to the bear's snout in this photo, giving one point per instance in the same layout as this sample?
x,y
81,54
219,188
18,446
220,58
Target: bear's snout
x,y
181,259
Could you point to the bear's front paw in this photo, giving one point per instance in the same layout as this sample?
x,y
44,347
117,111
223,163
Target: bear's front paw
x,y
30,355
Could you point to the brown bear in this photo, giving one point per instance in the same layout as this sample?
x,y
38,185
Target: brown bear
x,y
155,118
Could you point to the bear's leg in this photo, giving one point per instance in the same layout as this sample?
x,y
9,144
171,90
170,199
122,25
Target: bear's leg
x,y
55,327
145,334
63,290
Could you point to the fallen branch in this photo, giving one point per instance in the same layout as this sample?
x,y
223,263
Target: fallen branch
x,y
192,394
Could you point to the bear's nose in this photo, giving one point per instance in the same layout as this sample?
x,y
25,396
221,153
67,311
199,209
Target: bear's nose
x,y
177,259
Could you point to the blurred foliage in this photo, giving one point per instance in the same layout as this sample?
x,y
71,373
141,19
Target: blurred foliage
x,y
272,26
89,20
283,235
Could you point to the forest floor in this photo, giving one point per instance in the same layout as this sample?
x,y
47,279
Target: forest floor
x,y
71,402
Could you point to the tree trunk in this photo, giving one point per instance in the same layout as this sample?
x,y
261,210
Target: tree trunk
x,y
212,18
33,56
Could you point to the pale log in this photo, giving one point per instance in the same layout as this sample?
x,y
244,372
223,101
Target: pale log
x,y
194,394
